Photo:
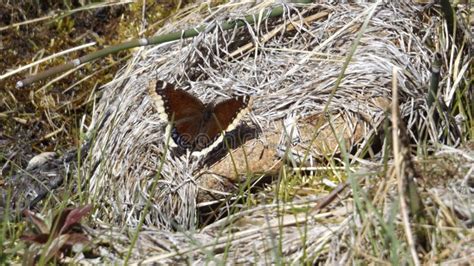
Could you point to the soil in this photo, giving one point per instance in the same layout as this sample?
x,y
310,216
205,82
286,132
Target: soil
x,y
46,116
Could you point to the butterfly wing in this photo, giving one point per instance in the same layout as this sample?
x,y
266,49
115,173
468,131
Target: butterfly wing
x,y
226,115
180,108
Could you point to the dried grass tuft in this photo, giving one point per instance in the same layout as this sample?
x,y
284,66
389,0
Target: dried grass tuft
x,y
289,72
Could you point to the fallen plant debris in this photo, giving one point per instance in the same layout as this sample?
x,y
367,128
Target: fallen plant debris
x,y
326,177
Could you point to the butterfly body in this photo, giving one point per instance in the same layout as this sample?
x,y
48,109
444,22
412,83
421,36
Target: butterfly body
x,y
192,124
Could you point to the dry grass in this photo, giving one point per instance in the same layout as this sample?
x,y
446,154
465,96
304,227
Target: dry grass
x,y
342,60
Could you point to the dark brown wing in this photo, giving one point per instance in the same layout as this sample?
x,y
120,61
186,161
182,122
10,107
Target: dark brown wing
x,y
225,117
179,107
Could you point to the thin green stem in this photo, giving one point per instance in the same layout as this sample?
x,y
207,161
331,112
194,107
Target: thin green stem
x,y
251,19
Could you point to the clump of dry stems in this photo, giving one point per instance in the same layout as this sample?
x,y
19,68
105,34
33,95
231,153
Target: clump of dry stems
x,y
337,60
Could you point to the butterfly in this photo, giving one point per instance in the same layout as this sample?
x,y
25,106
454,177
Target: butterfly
x,y
192,124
